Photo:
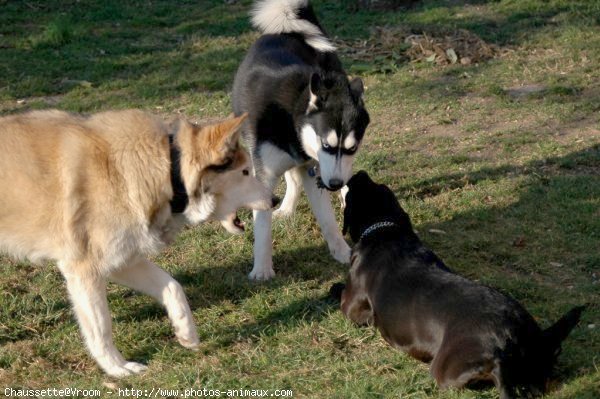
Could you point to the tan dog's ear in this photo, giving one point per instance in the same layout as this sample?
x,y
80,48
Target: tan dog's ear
x,y
231,128
184,128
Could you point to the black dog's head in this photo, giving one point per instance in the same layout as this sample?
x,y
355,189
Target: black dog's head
x,y
368,203
333,125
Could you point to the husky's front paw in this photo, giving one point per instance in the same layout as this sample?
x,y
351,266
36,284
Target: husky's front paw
x,y
340,251
126,369
261,273
191,343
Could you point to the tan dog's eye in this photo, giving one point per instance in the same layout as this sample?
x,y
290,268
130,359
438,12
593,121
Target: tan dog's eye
x,y
246,172
222,167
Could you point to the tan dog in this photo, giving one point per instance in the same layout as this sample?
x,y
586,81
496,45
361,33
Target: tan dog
x,y
98,194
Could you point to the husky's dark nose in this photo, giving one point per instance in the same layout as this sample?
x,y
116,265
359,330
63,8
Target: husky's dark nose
x,y
275,200
336,184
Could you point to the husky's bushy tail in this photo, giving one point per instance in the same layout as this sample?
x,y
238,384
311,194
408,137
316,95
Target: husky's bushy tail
x,y
291,16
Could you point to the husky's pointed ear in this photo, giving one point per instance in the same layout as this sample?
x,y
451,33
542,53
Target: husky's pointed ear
x,y
357,87
231,129
314,100
315,84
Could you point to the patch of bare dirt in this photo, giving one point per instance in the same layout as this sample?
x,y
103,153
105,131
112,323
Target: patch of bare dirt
x,y
444,130
481,125
525,90
580,130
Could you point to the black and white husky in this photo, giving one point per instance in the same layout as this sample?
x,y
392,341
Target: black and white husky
x,y
302,112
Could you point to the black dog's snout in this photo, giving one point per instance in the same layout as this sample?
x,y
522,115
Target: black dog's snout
x,y
275,201
336,184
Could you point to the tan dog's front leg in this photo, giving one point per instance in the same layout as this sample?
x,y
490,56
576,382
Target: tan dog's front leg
x,y
88,295
144,276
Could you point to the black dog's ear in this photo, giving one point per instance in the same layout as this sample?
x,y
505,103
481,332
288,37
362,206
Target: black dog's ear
x,y
347,213
358,176
357,87
362,174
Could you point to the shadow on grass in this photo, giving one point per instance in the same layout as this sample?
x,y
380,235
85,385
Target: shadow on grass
x,y
292,315
542,249
589,390
556,213
101,43
228,282
555,219
501,24
586,162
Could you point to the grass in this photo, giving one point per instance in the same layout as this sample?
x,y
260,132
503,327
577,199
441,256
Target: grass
x,y
512,177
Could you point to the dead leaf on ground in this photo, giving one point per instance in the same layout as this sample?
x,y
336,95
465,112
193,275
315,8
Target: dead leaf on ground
x,y
519,242
393,45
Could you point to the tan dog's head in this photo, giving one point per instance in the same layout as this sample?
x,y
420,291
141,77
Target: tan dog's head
x,y
217,174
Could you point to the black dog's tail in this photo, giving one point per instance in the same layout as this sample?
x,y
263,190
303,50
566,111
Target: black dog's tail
x,y
291,16
527,367
557,332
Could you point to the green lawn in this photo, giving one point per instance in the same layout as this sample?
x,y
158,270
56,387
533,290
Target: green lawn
x,y
497,162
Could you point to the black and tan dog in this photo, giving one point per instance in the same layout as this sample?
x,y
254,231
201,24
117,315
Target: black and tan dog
x,y
469,332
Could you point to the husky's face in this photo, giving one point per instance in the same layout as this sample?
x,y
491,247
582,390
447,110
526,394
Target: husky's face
x,y
334,126
218,175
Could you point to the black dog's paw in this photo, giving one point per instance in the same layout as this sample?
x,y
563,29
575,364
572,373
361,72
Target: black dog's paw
x,y
335,291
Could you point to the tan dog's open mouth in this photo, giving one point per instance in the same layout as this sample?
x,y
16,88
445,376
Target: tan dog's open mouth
x,y
233,224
